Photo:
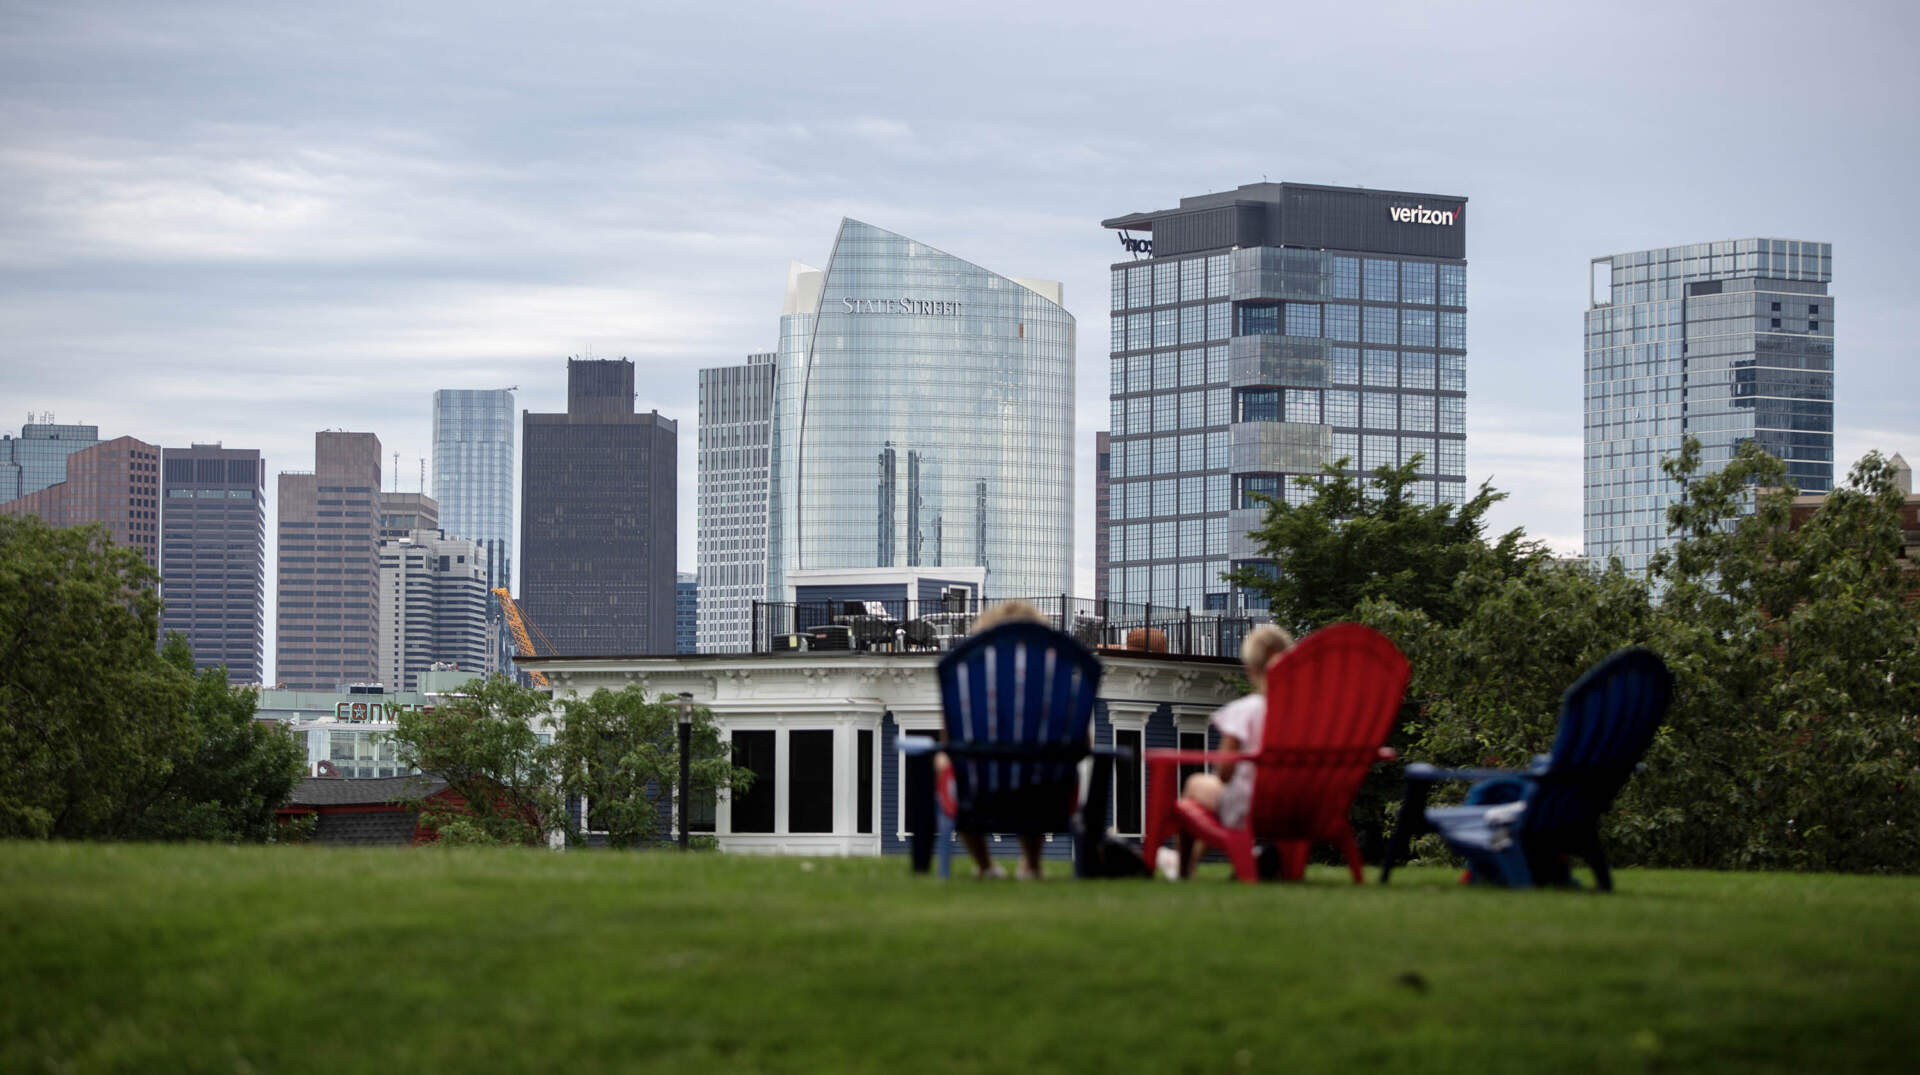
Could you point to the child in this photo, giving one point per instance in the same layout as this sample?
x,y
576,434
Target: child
x,y
1228,794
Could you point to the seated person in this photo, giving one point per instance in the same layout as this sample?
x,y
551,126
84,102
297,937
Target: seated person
x,y
1227,793
1004,612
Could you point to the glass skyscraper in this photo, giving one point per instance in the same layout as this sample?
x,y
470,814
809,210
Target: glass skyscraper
x,y
923,416
1258,334
473,483
1724,342
38,457
736,442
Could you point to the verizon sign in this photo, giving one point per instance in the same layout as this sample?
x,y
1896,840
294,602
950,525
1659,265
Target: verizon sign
x,y
1420,214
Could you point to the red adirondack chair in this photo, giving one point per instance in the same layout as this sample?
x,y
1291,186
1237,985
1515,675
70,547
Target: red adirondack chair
x,y
1331,700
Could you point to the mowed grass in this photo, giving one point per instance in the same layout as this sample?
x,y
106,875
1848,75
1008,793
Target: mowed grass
x,y
140,958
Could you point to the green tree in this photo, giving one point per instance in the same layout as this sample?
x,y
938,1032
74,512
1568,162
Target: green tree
x,y
1356,540
100,735
227,777
89,715
621,752
485,744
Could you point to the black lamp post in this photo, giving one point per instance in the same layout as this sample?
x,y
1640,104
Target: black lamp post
x,y
686,765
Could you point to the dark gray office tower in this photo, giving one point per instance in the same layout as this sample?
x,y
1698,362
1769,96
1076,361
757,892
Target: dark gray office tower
x,y
1724,342
213,555
597,519
1258,334
327,615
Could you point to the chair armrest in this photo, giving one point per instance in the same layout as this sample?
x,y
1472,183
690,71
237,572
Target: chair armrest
x,y
1424,772
1060,752
1166,756
912,745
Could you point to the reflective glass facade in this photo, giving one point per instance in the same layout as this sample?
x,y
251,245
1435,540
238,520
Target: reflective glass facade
x,y
37,458
924,417
1725,342
473,483
1270,330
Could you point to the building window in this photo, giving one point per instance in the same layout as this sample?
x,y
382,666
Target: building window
x,y
1139,286
1259,320
1382,369
1219,320
1260,405
1380,325
1193,279
1453,373
1416,328
1193,367
1416,413
1218,273
753,809
1813,326
1303,319
1383,280
1253,486
1193,324
1343,323
1343,408
863,781
1127,782
1416,369
810,781
1776,321
1379,412
1416,282
1453,285
1453,331
1345,365
1346,278
1219,489
1303,405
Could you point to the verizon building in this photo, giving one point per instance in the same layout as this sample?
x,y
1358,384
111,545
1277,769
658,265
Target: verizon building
x,y
1258,334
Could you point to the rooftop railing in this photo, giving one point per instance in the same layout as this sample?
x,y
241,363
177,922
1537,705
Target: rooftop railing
x,y
935,625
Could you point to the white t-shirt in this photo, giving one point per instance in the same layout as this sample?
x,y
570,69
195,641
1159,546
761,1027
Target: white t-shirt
x,y
1244,719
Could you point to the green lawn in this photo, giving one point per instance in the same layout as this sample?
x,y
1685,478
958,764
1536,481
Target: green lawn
x,y
303,959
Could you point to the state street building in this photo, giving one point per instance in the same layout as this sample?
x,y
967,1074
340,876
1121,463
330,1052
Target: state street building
x,y
923,418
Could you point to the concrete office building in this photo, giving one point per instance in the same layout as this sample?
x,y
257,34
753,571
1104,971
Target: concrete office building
x,y
327,613
213,555
473,481
1258,334
403,513
37,458
597,526
923,418
433,608
686,612
115,484
736,444
1725,342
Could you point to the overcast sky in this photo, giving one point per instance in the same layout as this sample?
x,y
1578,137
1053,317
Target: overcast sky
x,y
248,221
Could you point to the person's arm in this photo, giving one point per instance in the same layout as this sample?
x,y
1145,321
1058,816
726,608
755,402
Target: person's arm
x,y
1227,743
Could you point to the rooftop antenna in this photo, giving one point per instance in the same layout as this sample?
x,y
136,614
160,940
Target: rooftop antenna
x,y
393,476
423,474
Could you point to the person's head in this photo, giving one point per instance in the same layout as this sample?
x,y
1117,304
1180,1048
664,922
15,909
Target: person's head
x,y
1262,645
1008,612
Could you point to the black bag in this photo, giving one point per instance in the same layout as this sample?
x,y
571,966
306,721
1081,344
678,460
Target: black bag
x,y
1114,857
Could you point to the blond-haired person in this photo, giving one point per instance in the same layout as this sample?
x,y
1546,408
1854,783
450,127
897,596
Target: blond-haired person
x,y
1004,612
1227,793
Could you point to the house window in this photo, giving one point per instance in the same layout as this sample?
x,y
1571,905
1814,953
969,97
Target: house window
x,y
863,781
1192,741
753,810
1127,783
810,781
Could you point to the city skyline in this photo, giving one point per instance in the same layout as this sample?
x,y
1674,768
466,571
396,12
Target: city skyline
x,y
230,203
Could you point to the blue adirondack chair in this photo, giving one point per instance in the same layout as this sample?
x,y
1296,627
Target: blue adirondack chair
x,y
1018,701
1519,827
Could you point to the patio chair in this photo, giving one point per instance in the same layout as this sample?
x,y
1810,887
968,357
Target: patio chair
x,y
1331,700
1018,703
1519,827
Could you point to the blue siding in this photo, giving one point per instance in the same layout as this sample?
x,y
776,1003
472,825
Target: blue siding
x,y
930,591
1007,851
894,592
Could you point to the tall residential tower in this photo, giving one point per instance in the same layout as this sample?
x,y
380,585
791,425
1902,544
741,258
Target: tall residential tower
x,y
736,443
1258,334
597,518
1725,342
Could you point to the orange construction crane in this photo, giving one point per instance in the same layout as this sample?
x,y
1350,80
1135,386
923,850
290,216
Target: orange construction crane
x,y
521,640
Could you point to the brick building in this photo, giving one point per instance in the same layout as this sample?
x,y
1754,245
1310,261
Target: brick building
x,y
115,484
